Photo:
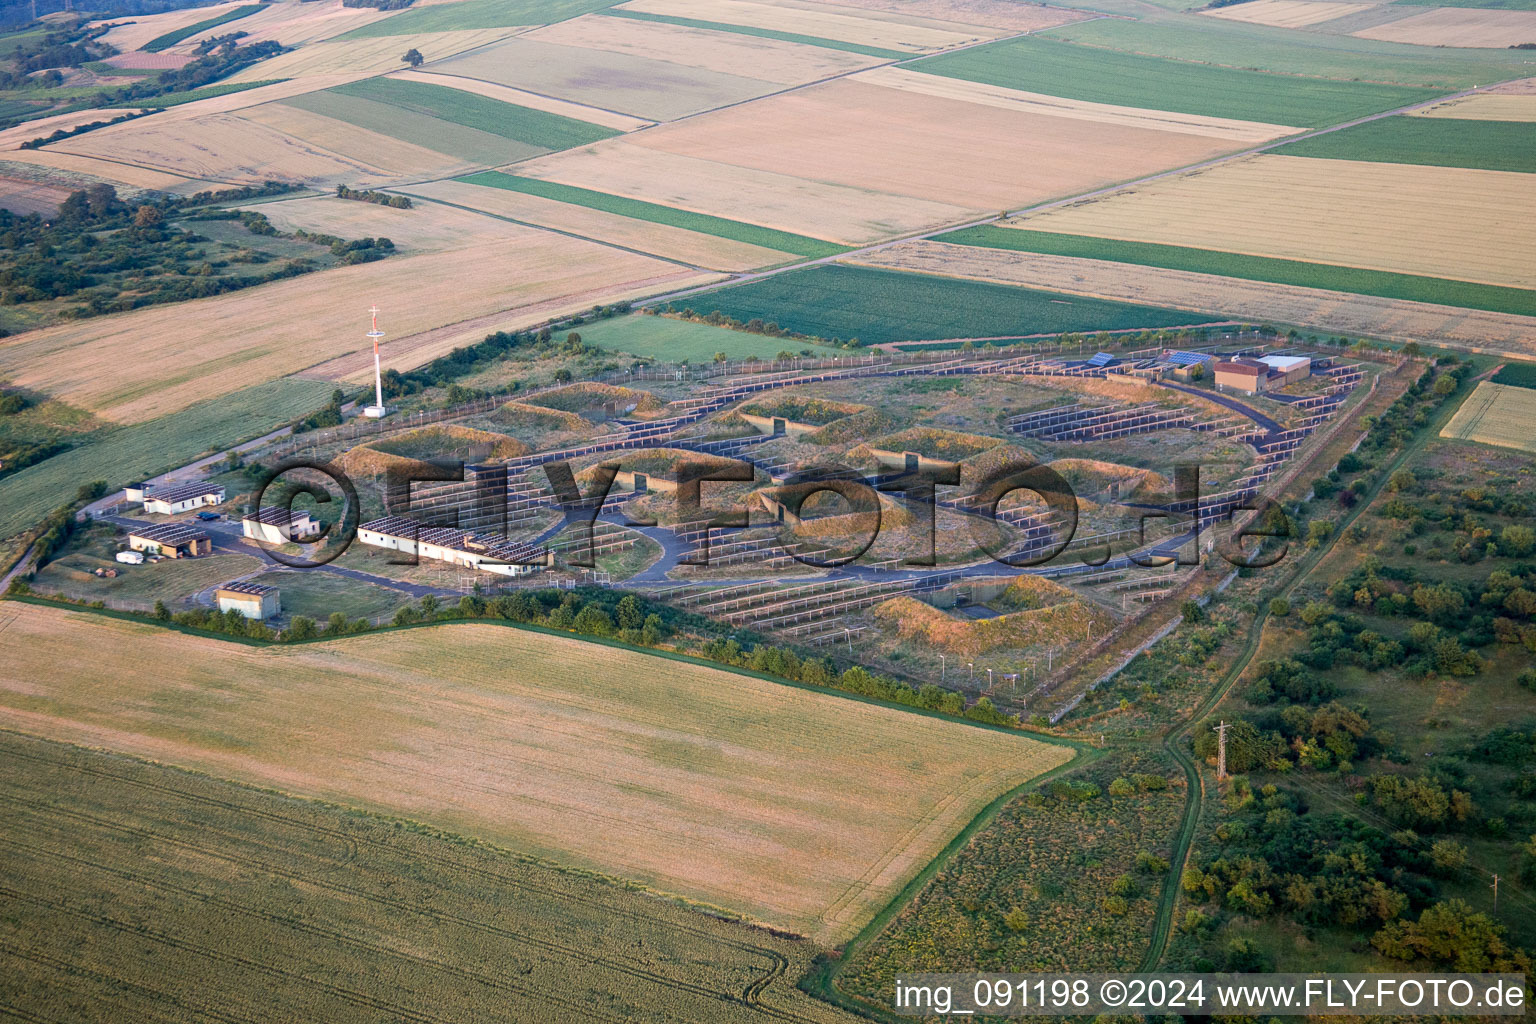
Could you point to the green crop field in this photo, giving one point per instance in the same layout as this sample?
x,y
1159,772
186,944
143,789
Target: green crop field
x,y
146,893
170,39
878,306
1207,40
1441,141
1255,268
770,238
761,33
121,455
478,14
1519,375
1037,64
422,129
510,121
672,340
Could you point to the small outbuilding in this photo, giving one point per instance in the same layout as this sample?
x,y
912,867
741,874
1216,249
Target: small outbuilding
x,y
252,600
1287,369
182,498
172,540
1246,375
278,525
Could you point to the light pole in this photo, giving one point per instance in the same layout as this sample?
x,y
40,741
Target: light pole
x,y
989,680
941,668
972,666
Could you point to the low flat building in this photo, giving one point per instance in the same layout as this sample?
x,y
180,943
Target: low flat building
x,y
448,544
1247,375
278,525
172,501
252,600
1286,369
171,540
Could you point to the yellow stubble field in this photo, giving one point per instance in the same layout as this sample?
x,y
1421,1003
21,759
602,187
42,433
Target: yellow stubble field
x,y
367,56
1496,414
1287,13
728,53
1459,26
851,25
293,23
523,98
1452,222
804,205
692,247
132,33
863,134
804,810
153,361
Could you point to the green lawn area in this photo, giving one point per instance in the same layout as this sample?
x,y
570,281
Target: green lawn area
x,y
761,33
422,129
468,14
1441,141
1254,268
771,238
1037,64
120,455
878,306
510,121
317,593
1194,37
170,39
672,340
138,587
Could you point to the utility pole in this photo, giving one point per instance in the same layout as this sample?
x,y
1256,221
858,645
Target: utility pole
x,y
1495,895
1221,752
941,668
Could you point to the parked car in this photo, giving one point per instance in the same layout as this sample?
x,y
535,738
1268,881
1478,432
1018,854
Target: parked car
x,y
209,516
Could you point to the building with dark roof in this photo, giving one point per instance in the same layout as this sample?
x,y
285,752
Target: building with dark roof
x,y
182,498
253,600
278,525
1247,375
172,540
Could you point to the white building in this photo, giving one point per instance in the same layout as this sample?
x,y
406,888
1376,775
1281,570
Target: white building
x,y
278,525
252,600
1288,368
446,544
182,498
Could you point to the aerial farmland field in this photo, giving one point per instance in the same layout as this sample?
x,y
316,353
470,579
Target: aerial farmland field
x,y
95,843
667,801
880,306
1411,219
914,363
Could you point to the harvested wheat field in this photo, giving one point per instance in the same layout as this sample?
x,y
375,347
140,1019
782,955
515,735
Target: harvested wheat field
x,y
1459,26
904,142
294,23
1451,222
142,28
1287,13
22,196
242,149
835,213
1004,98
152,361
70,167
998,14
1252,301
434,229
42,127
531,100
394,157
639,86
690,247
728,53
805,810
373,55
1497,414
1486,106
907,33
